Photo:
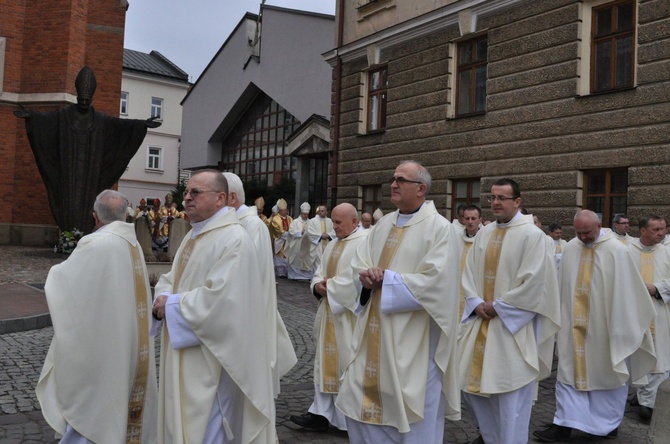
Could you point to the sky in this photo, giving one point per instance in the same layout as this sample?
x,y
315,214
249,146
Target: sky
x,y
190,32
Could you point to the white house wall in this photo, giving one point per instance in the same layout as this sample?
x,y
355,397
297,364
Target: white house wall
x,y
139,182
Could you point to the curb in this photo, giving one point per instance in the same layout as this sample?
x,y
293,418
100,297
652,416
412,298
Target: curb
x,y
24,324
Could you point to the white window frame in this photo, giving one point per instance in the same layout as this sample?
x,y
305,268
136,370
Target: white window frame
x,y
157,108
154,157
123,107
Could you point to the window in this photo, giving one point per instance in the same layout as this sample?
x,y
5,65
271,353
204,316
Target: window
x,y
471,76
606,192
372,198
154,155
157,108
612,46
256,149
124,103
377,89
465,191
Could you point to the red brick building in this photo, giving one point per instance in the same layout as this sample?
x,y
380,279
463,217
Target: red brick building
x,y
43,45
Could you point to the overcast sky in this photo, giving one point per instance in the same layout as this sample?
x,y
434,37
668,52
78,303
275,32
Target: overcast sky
x,y
189,33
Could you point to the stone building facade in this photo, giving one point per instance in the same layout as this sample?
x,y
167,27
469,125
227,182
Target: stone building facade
x,y
43,45
570,98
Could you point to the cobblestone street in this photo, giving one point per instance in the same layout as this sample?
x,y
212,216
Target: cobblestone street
x,y
22,355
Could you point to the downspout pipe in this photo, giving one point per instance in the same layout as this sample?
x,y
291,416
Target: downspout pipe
x,y
337,79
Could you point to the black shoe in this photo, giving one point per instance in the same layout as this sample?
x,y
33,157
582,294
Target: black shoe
x,y
633,401
478,440
645,412
613,434
553,433
311,421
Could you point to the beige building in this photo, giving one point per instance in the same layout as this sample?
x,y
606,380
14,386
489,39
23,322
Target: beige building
x,y
570,98
152,86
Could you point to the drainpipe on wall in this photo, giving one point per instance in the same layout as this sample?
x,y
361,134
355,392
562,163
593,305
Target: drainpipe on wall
x,y
338,97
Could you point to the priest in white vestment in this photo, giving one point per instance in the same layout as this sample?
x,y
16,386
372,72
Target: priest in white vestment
x,y
465,237
279,225
334,286
98,383
620,227
652,258
215,373
320,232
282,354
401,382
555,233
510,319
604,339
298,247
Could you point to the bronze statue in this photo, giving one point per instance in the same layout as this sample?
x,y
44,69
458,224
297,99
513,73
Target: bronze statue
x,y
80,152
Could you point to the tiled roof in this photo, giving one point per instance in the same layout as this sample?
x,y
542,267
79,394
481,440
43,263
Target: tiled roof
x,y
153,64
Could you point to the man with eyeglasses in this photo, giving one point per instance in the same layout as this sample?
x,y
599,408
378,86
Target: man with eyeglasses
x,y
620,227
510,318
401,382
604,340
215,372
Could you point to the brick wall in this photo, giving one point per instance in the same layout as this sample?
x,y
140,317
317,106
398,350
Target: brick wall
x,y
48,42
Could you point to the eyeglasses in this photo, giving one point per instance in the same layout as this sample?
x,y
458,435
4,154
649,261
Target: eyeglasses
x,y
195,192
622,223
401,180
501,199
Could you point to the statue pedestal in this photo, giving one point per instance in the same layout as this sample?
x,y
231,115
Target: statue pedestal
x,y
143,235
178,230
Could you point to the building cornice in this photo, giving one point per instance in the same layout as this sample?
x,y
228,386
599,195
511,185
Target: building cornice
x,y
44,98
416,27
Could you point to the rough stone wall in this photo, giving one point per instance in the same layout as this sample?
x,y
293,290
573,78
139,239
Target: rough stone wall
x,y
536,129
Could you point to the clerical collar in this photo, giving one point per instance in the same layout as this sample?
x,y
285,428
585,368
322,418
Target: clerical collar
x,y
468,235
355,230
593,244
506,224
242,209
403,218
197,227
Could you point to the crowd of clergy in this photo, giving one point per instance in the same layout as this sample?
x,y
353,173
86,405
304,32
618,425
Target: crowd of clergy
x,y
418,319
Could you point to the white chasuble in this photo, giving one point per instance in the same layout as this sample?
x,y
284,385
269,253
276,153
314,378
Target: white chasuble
x,y
335,319
99,374
660,277
427,261
524,279
315,228
608,327
282,354
222,301
298,246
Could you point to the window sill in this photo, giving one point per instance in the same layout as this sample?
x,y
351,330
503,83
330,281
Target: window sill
x,y
373,132
605,93
152,171
467,116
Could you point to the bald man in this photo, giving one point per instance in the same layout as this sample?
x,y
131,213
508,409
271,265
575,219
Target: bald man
x,y
333,285
606,312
